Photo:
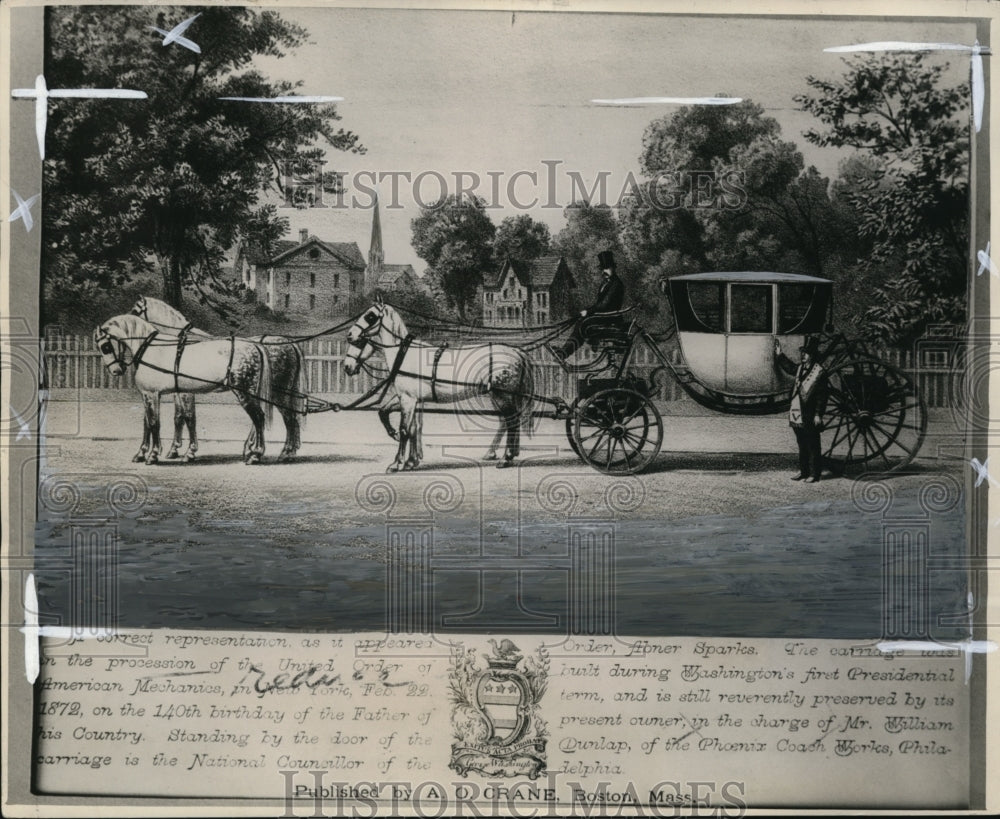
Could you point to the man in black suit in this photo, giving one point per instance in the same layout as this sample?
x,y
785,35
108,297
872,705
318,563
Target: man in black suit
x,y
610,299
806,409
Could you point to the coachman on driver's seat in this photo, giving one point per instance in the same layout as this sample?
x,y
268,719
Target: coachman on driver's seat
x,y
592,326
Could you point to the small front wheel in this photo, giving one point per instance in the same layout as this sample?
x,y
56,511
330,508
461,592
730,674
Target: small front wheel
x,y
617,431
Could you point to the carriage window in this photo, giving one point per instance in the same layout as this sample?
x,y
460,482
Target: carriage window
x,y
802,307
700,306
750,308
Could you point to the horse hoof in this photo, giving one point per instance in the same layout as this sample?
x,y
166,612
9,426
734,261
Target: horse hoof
x,y
138,458
392,468
173,454
490,456
189,457
504,464
152,459
409,466
252,460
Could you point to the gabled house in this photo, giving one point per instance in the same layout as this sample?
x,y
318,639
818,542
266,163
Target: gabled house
x,y
309,277
528,293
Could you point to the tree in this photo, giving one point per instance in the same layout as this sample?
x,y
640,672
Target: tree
x,y
910,191
521,237
693,209
455,237
179,176
589,230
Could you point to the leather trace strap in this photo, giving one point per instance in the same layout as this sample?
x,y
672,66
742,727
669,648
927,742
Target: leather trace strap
x,y
229,366
138,354
434,370
181,341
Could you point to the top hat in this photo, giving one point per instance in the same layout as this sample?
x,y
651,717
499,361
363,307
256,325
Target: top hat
x,y
606,259
810,346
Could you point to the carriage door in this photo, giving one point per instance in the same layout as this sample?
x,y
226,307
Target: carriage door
x,y
750,342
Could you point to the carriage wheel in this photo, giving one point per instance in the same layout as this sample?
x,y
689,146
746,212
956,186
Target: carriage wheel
x,y
617,431
873,416
570,430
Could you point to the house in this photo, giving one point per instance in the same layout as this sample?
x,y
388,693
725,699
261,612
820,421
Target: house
x,y
310,276
528,293
382,276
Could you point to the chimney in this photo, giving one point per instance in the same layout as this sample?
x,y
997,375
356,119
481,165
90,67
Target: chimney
x,y
303,236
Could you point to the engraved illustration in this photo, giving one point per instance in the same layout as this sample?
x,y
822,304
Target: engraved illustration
x,y
498,730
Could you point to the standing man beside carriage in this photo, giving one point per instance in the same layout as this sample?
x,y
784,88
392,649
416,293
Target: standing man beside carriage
x,y
808,401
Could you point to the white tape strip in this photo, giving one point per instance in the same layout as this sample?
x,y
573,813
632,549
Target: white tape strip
x,y
41,93
32,660
283,99
23,210
982,472
985,262
670,101
174,35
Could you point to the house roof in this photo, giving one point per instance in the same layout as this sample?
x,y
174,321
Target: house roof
x,y
392,273
540,272
347,252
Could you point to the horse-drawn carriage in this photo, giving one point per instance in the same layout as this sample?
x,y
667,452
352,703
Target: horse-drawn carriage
x,y
729,329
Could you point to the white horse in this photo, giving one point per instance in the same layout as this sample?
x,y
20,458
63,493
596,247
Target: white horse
x,y
421,373
287,367
162,365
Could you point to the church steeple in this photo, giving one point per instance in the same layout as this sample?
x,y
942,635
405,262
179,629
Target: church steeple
x,y
376,257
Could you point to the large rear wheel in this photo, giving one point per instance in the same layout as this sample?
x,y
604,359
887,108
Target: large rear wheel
x,y
874,417
617,431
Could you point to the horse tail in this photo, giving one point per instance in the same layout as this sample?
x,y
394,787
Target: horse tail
x,y
264,386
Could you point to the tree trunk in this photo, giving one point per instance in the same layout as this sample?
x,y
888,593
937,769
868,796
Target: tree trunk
x,y
170,269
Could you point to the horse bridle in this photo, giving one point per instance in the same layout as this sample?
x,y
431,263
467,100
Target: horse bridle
x,y
371,328
111,346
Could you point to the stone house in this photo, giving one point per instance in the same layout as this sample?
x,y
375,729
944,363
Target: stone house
x,y
528,293
308,277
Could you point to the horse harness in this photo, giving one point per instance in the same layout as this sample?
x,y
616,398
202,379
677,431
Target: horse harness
x,y
434,369
229,366
136,356
181,341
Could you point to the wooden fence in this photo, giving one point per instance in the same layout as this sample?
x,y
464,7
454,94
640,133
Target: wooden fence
x,y
74,363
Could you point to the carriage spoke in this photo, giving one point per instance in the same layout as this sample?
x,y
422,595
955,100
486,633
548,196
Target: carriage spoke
x,y
598,431
896,441
628,460
590,456
895,410
850,444
836,439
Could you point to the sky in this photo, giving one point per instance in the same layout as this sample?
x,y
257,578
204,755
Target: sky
x,y
483,92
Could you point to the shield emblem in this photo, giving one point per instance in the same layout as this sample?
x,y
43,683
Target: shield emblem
x,y
502,697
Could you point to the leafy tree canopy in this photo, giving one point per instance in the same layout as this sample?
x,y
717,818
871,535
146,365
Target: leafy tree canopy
x,y
909,186
455,237
521,237
179,176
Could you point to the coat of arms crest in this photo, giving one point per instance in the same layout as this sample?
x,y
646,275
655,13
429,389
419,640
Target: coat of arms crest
x,y
497,728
